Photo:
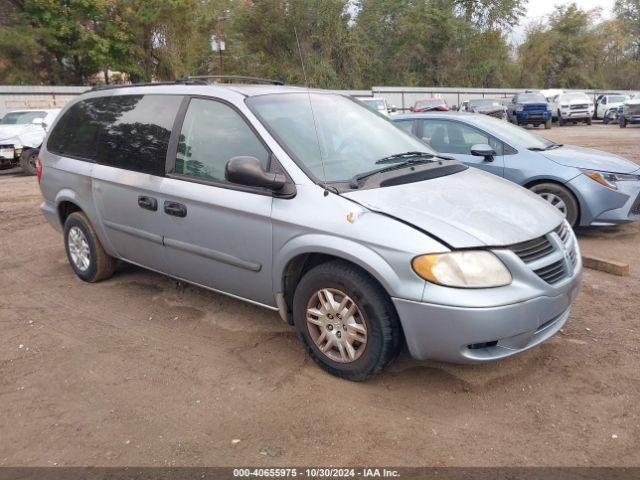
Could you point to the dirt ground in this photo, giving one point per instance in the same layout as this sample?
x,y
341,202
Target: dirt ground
x,y
139,370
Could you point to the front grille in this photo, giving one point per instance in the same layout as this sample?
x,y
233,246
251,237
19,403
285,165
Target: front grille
x,y
552,257
635,208
533,249
579,107
552,273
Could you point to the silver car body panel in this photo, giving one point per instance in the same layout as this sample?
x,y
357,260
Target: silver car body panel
x,y
241,244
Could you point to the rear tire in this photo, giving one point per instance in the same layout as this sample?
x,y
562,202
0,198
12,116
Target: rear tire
x,y
29,160
367,313
84,251
559,197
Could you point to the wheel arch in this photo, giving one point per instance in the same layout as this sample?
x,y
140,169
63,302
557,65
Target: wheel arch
x,y
566,185
309,253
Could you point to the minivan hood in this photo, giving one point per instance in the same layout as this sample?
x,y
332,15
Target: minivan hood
x,y
590,158
467,209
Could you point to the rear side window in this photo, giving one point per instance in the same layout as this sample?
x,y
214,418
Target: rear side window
x,y
129,131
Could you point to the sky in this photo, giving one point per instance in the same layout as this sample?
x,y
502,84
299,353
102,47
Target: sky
x,y
538,9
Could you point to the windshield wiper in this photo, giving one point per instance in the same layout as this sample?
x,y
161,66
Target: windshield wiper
x,y
356,179
549,147
398,157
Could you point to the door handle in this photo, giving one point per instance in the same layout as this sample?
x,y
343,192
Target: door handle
x,y
148,203
175,209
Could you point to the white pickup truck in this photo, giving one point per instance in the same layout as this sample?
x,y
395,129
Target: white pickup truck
x,y
21,134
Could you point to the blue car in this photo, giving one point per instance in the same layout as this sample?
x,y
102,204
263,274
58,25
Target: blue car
x,y
588,186
529,109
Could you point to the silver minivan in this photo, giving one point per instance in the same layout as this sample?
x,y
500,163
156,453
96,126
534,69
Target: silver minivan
x,y
308,203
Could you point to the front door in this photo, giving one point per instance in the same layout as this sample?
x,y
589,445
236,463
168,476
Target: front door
x,y
455,139
215,233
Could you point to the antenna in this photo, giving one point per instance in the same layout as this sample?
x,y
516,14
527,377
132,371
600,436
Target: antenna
x,y
313,116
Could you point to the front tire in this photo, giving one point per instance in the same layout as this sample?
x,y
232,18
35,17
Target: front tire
x,y
29,161
623,122
547,125
84,251
588,120
560,198
346,321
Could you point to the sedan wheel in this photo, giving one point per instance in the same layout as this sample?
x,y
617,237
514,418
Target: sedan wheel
x,y
560,198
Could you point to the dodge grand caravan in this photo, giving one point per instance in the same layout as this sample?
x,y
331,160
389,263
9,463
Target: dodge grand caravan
x,y
308,203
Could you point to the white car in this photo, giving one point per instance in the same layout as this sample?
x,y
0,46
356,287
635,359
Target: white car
x,y
609,101
379,105
21,134
572,107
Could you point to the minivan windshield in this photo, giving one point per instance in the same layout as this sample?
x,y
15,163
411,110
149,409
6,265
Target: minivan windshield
x,y
350,137
516,135
21,118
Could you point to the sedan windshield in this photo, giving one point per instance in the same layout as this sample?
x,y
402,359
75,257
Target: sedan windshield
x,y
331,136
515,135
21,118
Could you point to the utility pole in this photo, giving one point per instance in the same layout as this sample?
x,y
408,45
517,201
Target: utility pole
x,y
218,43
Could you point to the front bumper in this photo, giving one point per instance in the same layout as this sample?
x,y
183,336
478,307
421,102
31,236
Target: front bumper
x,y
473,326
529,117
576,115
600,205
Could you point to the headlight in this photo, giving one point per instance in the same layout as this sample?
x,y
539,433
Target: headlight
x,y
464,269
519,108
609,179
564,106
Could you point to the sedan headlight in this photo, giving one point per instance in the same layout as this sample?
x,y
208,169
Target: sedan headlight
x,y
464,269
609,179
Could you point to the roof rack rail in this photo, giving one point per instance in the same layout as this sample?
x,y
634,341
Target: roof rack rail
x,y
231,78
195,80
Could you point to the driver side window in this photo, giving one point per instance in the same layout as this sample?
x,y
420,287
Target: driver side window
x,y
446,136
212,134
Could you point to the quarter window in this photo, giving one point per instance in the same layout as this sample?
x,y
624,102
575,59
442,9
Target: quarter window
x,y
124,131
212,134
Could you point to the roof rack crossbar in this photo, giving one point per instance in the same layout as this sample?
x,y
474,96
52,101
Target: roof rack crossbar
x,y
233,78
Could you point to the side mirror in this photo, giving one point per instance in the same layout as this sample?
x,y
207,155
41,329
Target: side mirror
x,y
483,150
37,121
411,109
393,109
248,171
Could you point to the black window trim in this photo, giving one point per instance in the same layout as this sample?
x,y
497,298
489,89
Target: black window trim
x,y
172,153
95,160
515,150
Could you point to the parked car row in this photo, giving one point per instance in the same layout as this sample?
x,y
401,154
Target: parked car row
x,y
309,203
21,134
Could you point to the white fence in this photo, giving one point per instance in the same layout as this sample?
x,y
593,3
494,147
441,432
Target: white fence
x,y
18,97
